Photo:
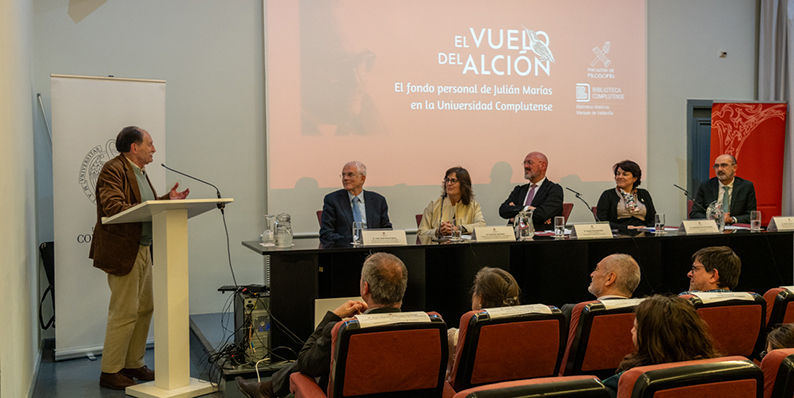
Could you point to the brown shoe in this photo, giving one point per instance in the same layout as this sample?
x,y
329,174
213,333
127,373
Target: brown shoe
x,y
253,389
115,381
143,373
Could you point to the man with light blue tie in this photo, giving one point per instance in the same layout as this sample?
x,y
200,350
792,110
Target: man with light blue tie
x,y
352,204
736,195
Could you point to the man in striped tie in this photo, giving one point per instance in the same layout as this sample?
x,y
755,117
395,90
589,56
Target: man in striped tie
x,y
540,195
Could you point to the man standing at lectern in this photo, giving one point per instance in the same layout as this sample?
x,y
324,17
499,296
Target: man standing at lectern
x,y
352,204
124,252
540,195
736,195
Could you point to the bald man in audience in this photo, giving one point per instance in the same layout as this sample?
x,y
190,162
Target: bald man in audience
x,y
615,277
540,195
714,269
384,278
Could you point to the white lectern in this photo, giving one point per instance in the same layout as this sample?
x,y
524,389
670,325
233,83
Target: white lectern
x,y
170,283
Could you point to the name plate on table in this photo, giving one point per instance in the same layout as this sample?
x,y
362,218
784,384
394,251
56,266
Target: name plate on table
x,y
372,320
694,227
781,224
375,237
591,231
494,234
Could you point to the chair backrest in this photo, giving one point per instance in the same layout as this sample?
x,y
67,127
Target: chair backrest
x,y
594,209
727,377
598,338
778,368
404,359
418,220
779,307
516,347
737,326
320,217
689,203
566,210
558,387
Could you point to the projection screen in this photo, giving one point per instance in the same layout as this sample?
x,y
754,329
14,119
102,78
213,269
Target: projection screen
x,y
414,87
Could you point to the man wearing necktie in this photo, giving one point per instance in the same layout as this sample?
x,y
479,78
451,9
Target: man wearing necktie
x,y
736,195
352,204
540,195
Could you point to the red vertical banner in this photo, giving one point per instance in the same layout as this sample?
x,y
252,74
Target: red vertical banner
x,y
754,133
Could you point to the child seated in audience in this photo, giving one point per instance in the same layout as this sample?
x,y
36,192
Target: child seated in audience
x,y
666,329
493,287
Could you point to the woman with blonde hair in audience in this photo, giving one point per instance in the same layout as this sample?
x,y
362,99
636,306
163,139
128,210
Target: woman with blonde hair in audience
x,y
493,287
666,329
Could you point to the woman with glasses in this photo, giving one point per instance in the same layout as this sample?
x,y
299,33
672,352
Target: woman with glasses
x,y
666,329
456,203
626,206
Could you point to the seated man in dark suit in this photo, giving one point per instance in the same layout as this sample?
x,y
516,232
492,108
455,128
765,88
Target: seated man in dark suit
x,y
384,278
714,269
615,277
352,204
542,195
738,193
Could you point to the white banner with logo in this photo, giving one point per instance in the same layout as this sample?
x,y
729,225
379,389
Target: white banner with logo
x,y
87,114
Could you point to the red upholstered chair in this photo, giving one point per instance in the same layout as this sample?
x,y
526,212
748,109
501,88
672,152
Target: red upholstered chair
x,y
558,387
594,209
727,377
418,220
396,360
566,210
689,203
779,307
737,326
320,217
598,338
778,368
522,346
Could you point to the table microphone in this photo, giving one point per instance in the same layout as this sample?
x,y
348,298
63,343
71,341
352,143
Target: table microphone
x,y
686,193
221,206
579,196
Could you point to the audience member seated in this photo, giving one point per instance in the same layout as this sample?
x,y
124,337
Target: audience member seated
x,y
666,329
777,364
714,269
781,337
615,277
384,278
626,206
456,203
493,287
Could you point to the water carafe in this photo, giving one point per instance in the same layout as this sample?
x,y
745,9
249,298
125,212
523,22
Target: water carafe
x,y
283,228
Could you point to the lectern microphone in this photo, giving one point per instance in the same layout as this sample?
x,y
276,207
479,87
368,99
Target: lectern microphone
x,y
217,191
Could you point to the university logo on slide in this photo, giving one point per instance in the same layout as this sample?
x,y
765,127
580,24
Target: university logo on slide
x,y
92,165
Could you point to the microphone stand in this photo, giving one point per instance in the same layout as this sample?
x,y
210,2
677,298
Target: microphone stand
x,y
221,206
579,196
686,193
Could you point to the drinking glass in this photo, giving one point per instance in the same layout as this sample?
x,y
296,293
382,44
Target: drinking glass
x,y
755,221
358,228
659,224
456,230
559,227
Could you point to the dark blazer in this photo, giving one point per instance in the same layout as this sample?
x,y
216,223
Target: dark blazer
x,y
742,199
114,247
607,209
337,220
547,203
314,358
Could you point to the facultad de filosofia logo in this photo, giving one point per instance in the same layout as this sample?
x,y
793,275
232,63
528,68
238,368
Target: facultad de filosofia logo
x,y
92,165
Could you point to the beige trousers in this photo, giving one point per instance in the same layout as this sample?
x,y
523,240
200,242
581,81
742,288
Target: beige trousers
x,y
129,315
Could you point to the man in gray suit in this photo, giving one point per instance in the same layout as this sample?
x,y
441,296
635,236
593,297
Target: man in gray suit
x,y
736,195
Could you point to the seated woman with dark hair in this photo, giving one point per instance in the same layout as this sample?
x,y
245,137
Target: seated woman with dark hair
x,y
493,287
666,329
781,337
626,206
456,203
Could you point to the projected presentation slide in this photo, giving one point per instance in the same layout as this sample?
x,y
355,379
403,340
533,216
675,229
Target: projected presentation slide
x,y
413,87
